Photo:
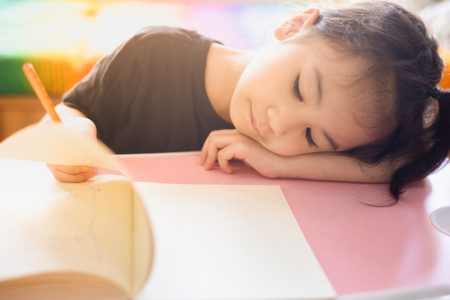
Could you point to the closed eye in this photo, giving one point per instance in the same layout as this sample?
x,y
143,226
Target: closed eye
x,y
309,138
296,88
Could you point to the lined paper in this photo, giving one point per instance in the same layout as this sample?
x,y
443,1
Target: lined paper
x,y
228,242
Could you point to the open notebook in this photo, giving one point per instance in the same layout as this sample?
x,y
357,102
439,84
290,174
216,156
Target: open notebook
x,y
109,238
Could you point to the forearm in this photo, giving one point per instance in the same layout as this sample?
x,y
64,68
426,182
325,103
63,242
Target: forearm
x,y
335,167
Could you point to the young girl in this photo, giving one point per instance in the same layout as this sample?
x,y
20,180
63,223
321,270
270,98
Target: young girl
x,y
347,94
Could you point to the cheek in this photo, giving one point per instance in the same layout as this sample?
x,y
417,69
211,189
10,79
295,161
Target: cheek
x,y
247,89
259,79
240,114
287,146
237,111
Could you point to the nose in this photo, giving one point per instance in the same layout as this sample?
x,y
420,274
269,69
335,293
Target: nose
x,y
284,119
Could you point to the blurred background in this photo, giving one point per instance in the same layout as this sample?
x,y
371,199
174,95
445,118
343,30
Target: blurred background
x,y
64,39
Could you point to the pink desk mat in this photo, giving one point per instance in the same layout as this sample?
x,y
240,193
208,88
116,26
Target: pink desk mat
x,y
360,247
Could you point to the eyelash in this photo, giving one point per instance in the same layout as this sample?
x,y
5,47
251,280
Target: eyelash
x,y
296,88
309,137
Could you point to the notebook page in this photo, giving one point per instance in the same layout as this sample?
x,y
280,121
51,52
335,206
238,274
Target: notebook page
x,y
142,242
48,226
228,242
56,144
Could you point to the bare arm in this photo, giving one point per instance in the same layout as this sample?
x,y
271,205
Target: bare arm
x,y
225,145
333,166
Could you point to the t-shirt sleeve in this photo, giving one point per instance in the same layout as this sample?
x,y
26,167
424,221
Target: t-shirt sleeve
x,y
106,93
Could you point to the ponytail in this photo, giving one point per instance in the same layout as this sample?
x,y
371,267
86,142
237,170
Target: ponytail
x,y
425,163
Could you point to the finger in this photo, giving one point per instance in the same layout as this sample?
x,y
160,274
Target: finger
x,y
65,174
223,158
203,153
71,169
215,135
211,156
77,178
216,143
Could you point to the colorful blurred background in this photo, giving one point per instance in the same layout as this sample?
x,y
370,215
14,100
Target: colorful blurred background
x,y
63,39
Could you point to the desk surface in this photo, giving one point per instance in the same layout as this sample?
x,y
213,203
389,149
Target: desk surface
x,y
360,247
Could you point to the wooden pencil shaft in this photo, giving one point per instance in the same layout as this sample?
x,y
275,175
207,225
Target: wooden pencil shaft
x,y
40,91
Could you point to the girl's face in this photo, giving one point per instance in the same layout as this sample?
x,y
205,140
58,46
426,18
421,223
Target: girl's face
x,y
295,98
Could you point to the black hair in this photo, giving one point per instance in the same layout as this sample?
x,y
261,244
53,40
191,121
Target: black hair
x,y
397,44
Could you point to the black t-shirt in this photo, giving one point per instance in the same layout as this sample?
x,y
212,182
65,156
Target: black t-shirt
x,y
149,94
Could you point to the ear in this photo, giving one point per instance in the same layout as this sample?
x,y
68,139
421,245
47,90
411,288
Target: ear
x,y
293,25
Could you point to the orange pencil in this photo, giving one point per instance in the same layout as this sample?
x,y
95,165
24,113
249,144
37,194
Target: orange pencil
x,y
40,91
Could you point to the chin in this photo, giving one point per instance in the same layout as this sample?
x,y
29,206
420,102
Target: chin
x,y
235,120
238,119
244,130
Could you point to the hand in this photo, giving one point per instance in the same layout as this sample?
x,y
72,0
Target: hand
x,y
225,145
74,174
